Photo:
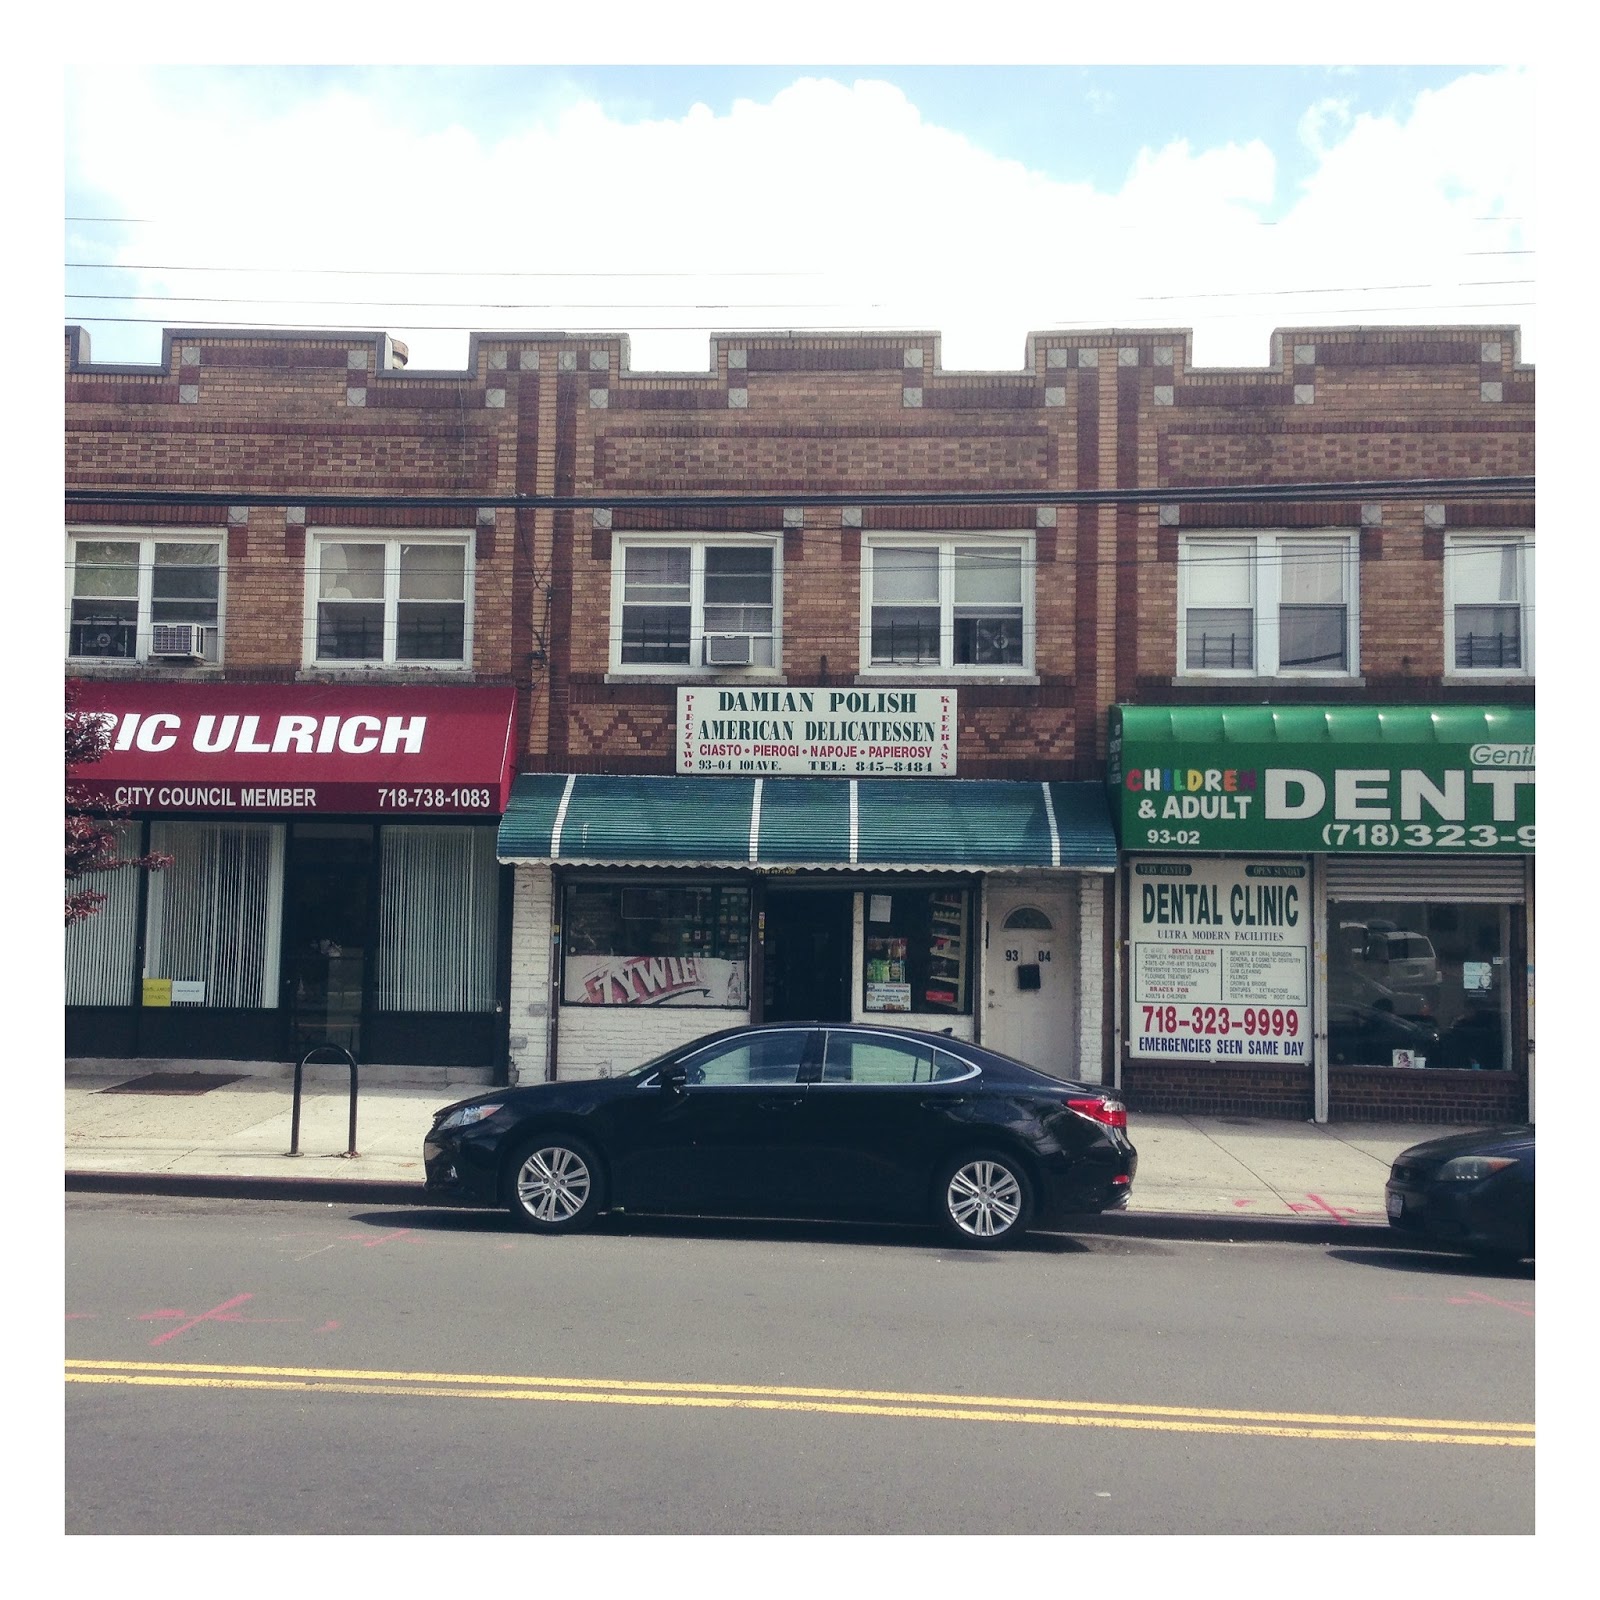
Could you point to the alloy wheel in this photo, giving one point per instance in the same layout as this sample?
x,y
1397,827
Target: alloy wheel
x,y
553,1184
984,1199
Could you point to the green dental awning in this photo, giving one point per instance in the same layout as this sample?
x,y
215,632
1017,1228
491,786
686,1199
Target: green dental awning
x,y
1456,779
879,824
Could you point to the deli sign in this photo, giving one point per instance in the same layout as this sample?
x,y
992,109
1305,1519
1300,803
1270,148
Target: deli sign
x,y
304,748
1374,780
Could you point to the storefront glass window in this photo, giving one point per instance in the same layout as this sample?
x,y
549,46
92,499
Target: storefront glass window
x,y
101,948
215,913
437,920
917,951
656,944
1414,985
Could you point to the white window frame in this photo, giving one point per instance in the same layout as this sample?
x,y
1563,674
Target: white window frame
x,y
947,544
1266,571
147,538
392,539
1455,543
696,544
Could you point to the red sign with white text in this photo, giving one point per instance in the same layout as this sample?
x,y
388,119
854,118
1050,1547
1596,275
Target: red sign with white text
x,y
310,749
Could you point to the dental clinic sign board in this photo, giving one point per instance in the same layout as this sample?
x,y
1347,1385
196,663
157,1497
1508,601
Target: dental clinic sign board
x,y
1220,966
1434,780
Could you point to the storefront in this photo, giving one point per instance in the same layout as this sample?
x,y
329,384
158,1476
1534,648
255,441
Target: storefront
x,y
650,910
1326,910
333,876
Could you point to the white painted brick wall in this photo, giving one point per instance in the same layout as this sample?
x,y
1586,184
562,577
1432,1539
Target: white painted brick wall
x,y
530,974
1093,1067
601,1041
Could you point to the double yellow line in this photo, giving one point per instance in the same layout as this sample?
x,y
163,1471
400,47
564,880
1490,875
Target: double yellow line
x,y
839,1402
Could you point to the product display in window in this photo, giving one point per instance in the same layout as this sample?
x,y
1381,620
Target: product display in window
x,y
654,945
916,951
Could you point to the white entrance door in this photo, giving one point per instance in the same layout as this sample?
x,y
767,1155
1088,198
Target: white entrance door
x,y
1031,977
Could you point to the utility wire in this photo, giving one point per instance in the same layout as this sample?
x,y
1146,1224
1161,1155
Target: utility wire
x,y
1485,488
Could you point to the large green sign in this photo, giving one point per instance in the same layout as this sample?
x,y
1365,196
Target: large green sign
x,y
1437,780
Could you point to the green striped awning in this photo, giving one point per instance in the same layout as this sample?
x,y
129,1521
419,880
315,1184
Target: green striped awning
x,y
878,824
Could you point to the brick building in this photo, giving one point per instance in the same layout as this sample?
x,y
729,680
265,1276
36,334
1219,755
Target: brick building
x,y
835,683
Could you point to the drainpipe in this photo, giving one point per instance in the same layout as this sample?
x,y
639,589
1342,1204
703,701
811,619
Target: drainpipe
x,y
1319,988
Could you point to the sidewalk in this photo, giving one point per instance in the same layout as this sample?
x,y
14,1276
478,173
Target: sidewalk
x,y
1223,1177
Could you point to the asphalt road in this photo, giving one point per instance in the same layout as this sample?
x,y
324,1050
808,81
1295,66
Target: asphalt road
x,y
286,1367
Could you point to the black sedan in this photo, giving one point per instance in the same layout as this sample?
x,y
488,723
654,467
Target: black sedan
x,y
1473,1191
795,1119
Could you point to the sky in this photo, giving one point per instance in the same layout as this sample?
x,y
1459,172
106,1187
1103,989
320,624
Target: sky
x,y
978,203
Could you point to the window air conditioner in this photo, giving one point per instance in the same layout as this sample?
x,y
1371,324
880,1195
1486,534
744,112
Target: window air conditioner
x,y
178,641
103,637
729,649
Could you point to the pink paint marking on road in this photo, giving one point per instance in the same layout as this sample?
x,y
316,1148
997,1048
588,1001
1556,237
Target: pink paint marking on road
x,y
410,1236
328,1326
215,1314
1338,1213
1475,1297
1247,1202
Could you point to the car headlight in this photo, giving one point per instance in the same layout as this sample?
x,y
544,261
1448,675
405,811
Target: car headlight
x,y
1470,1169
464,1117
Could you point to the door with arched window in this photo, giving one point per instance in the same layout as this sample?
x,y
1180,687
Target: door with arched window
x,y
1031,977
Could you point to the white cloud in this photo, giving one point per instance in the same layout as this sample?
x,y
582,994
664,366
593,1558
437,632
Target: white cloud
x,y
845,206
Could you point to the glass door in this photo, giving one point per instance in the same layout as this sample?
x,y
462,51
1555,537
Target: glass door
x,y
328,891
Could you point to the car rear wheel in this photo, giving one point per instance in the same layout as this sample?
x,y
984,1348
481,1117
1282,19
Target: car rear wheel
x,y
983,1199
554,1184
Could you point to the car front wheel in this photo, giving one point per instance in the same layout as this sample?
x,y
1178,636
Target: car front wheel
x,y
983,1198
554,1185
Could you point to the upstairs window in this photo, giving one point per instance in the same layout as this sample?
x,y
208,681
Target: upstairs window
x,y
1266,605
698,604
139,597
391,599
946,605
1489,601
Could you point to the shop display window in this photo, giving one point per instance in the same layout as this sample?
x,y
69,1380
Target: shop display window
x,y
917,951
1415,985
656,944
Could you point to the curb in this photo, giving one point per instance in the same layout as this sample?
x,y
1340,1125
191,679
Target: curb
x,y
1196,1225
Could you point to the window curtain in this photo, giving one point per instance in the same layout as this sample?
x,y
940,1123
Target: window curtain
x,y
216,913
438,919
101,948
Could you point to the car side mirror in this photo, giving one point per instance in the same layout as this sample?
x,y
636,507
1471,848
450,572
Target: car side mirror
x,y
673,1078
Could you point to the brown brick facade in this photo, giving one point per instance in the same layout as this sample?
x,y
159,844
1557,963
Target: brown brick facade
x,y
278,420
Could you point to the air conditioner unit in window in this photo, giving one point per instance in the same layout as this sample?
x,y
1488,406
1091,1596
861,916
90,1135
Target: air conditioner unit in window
x,y
732,649
178,641
103,637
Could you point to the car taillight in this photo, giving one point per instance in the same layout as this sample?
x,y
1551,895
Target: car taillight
x,y
1109,1113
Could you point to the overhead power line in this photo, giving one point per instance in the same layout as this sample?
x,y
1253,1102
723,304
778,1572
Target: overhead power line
x,y
1488,488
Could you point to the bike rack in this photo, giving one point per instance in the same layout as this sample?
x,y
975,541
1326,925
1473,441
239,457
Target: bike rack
x,y
299,1072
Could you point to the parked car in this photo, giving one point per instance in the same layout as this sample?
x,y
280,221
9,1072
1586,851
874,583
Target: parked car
x,y
1368,1035
795,1119
1386,961
1471,1190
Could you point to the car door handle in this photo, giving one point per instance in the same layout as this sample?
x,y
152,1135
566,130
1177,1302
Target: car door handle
x,y
939,1102
774,1103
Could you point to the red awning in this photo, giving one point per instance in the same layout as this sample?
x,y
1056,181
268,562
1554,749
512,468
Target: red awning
x,y
310,749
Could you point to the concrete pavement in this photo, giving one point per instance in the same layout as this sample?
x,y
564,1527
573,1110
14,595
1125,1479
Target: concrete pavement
x,y
180,1133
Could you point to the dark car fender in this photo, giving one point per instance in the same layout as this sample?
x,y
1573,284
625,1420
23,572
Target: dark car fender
x,y
551,1124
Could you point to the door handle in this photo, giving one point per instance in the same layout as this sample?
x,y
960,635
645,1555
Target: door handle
x,y
772,1103
938,1103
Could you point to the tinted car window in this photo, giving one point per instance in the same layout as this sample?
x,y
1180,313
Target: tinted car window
x,y
861,1058
763,1058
